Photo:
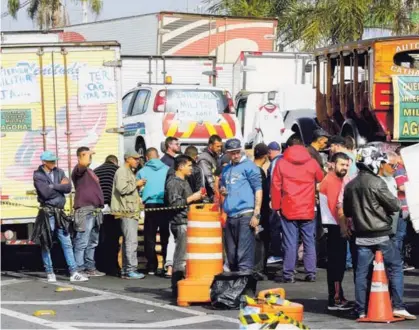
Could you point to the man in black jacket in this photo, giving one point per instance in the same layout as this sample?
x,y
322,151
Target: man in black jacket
x,y
51,184
196,179
370,204
179,193
208,162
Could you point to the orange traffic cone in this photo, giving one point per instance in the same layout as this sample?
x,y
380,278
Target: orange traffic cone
x,y
379,306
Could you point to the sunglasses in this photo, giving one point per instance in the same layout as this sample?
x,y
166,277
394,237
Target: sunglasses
x,y
393,166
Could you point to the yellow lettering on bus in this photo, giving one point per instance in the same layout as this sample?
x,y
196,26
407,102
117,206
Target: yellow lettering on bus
x,y
410,128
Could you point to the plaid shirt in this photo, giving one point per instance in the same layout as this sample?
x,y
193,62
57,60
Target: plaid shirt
x,y
401,178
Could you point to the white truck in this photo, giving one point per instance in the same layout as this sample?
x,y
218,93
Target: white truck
x,y
57,97
271,91
154,70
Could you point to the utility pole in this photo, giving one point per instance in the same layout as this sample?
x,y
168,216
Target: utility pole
x,y
84,8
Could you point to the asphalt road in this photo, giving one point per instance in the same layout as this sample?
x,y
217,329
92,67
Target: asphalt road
x,y
112,303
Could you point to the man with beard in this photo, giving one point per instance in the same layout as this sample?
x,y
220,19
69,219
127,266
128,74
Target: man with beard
x,y
329,190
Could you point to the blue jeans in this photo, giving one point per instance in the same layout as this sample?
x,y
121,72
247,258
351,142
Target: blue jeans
x,y
240,244
85,244
275,231
291,230
394,267
398,239
67,246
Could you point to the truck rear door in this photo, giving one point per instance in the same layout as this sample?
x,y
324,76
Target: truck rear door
x,y
58,98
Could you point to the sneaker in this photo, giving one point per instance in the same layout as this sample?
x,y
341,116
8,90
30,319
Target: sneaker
x,y
78,277
339,305
151,273
406,267
274,260
94,273
403,313
362,316
286,280
310,278
133,276
51,277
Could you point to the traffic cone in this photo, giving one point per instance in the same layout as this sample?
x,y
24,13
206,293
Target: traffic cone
x,y
379,306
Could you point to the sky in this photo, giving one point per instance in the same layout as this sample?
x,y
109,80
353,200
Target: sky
x,y
111,9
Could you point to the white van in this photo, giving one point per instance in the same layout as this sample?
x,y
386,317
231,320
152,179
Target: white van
x,y
192,113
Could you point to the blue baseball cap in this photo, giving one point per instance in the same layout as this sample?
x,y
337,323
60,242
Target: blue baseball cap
x,y
274,146
233,145
48,156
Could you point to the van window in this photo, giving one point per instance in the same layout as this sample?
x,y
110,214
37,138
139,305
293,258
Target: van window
x,y
196,100
240,113
126,101
140,103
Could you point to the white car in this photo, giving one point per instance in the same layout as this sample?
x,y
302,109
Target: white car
x,y
192,113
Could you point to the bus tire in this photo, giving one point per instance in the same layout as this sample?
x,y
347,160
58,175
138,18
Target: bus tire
x,y
304,128
350,128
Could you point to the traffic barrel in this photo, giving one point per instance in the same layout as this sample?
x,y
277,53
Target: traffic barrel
x,y
204,257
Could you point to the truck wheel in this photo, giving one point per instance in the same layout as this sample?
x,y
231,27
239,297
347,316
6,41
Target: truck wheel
x,y
140,148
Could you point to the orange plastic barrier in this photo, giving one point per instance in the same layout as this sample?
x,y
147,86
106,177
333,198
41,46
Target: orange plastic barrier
x,y
379,305
204,254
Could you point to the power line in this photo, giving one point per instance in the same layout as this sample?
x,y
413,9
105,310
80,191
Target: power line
x,y
6,13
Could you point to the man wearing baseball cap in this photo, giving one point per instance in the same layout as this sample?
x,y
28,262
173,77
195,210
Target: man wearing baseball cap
x,y
241,185
319,143
51,185
125,205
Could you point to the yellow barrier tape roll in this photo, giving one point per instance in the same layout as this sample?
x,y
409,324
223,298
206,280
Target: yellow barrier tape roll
x,y
270,318
64,289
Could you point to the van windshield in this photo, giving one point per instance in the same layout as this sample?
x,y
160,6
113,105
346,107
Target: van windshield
x,y
196,102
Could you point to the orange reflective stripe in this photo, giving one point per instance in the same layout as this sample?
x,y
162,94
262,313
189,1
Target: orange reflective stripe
x,y
172,129
190,130
227,130
210,128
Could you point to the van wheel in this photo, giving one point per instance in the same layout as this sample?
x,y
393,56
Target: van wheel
x,y
140,148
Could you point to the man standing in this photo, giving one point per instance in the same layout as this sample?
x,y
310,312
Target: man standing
x,y
110,231
126,207
51,184
88,204
262,233
319,143
401,178
179,193
339,144
154,172
172,146
196,179
293,198
330,189
207,161
241,185
370,204
274,154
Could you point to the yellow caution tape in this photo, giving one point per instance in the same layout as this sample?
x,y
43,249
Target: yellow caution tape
x,y
269,318
44,312
64,288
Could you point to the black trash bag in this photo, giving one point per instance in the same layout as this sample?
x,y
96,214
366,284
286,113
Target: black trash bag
x,y
227,289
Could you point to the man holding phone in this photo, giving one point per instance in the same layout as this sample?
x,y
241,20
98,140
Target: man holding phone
x,y
88,204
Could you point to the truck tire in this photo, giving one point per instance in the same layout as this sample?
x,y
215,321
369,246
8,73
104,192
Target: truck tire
x,y
304,128
140,148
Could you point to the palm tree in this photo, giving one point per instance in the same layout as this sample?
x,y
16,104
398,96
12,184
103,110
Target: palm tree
x,y
315,23
48,13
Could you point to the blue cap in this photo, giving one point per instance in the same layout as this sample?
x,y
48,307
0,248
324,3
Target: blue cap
x,y
48,156
233,145
274,146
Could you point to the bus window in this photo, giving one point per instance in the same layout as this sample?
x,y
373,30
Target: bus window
x,y
408,59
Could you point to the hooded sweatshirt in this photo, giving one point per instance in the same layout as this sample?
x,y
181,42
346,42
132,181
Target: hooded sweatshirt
x,y
242,181
294,184
155,172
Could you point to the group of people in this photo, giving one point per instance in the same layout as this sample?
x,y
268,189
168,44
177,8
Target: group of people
x,y
357,197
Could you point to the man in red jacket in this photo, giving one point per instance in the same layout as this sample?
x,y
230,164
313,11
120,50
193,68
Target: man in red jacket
x,y
293,197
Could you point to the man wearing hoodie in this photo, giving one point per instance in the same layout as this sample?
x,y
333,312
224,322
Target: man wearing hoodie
x,y
154,172
241,184
293,198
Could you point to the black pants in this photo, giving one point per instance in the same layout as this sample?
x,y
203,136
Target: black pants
x,y
336,263
107,251
155,221
262,244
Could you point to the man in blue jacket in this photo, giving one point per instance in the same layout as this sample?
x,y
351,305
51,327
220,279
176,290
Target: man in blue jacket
x,y
241,184
154,172
51,184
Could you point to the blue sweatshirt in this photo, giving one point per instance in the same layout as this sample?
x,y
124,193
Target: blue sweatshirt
x,y
155,172
242,181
